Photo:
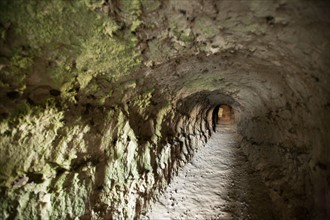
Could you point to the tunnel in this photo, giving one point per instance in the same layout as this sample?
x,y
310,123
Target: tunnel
x,y
223,114
164,109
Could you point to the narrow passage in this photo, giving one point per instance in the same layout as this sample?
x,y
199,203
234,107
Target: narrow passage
x,y
217,184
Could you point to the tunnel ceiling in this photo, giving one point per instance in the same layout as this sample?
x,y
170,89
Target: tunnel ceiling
x,y
102,101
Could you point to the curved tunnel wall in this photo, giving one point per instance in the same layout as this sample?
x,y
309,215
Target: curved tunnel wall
x,y
283,143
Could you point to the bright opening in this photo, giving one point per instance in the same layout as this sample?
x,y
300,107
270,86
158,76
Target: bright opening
x,y
225,115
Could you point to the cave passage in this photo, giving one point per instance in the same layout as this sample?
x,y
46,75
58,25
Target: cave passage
x,y
222,114
225,114
103,104
218,183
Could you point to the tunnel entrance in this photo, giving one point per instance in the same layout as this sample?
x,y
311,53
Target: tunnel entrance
x,y
222,115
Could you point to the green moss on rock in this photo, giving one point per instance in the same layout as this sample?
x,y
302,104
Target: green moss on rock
x,y
68,43
26,141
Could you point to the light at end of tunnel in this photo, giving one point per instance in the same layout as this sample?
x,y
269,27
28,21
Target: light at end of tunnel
x,y
225,114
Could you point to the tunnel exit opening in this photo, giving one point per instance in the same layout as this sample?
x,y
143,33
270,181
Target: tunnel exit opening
x,y
222,115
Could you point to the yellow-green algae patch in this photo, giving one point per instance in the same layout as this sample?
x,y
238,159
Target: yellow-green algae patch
x,y
38,176
70,41
141,102
27,141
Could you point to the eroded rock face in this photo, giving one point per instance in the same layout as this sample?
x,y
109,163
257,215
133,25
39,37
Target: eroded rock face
x,y
102,102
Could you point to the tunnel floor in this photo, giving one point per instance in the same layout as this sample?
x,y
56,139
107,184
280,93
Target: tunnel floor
x,y
217,184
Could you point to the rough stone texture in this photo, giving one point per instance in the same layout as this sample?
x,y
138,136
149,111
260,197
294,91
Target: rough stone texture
x,y
102,101
218,183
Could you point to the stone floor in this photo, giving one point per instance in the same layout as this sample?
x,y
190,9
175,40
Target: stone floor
x,y
217,184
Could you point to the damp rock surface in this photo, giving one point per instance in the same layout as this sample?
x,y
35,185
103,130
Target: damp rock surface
x,y
218,183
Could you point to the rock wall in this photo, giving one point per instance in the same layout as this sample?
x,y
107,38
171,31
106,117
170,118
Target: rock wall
x,y
285,140
95,161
